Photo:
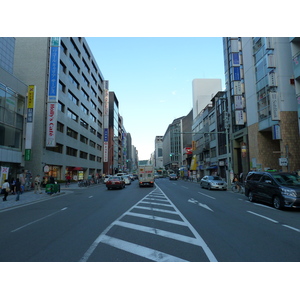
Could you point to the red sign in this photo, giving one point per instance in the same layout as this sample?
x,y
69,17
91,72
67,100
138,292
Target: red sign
x,y
187,150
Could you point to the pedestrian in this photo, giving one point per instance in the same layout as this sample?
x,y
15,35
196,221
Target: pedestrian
x,y
51,180
5,189
37,184
18,189
12,185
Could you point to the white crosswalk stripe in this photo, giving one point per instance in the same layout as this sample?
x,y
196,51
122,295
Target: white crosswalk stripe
x,y
155,207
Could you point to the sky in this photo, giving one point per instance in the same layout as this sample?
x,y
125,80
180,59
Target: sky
x,y
152,79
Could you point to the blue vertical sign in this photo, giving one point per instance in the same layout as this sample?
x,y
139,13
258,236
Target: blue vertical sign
x,y
236,74
105,134
53,75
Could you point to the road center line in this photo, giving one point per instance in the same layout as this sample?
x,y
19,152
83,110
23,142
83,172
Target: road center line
x,y
38,220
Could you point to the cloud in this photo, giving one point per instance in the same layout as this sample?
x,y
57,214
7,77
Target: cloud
x,y
174,93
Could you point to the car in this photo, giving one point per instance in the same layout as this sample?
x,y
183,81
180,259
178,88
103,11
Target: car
x,y
156,175
121,174
115,182
213,182
127,179
173,177
280,189
106,178
131,177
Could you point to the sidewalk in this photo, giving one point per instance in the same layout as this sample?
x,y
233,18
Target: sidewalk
x,y
31,197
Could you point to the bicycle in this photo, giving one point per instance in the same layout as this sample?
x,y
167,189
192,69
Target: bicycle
x,y
238,187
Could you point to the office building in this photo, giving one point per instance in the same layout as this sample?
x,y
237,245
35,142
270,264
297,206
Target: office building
x,y
66,136
13,108
271,106
158,152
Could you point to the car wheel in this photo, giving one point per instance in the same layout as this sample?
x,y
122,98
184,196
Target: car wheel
x,y
250,196
277,203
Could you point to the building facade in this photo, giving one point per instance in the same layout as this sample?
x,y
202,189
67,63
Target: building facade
x,y
271,105
172,146
13,93
158,152
67,131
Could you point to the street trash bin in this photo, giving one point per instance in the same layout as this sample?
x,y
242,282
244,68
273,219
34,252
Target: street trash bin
x,y
52,188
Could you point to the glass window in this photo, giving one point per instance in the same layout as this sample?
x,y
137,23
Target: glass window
x,y
84,124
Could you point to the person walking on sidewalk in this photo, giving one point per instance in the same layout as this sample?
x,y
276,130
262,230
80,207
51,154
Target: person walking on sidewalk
x,y
5,189
37,184
18,189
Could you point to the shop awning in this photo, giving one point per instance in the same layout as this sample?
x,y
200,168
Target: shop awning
x,y
74,169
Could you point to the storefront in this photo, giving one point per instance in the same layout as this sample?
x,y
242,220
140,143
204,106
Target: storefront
x,y
76,173
52,171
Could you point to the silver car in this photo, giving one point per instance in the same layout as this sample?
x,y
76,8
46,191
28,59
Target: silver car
x,y
213,182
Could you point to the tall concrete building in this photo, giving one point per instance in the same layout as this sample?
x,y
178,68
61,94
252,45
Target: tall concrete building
x,y
272,112
158,152
203,90
295,47
66,136
172,146
13,93
262,103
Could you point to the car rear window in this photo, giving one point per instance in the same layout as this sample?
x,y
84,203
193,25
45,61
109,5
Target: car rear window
x,y
254,177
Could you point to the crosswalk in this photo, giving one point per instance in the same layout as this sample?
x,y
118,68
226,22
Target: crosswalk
x,y
154,230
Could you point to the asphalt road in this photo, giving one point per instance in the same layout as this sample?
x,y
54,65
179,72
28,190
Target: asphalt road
x,y
173,221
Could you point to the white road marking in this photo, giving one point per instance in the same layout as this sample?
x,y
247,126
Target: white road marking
x,y
139,250
91,196
38,220
251,212
192,200
162,204
144,251
293,228
262,205
163,233
204,206
207,195
156,218
156,209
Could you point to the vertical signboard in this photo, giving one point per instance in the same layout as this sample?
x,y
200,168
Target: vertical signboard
x,y
105,120
29,122
51,124
274,103
52,92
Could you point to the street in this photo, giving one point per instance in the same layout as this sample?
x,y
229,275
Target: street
x,y
175,221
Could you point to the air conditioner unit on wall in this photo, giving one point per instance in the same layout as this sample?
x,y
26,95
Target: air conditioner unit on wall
x,y
269,43
271,61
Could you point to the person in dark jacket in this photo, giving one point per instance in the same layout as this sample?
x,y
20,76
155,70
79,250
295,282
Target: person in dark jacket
x,y
18,189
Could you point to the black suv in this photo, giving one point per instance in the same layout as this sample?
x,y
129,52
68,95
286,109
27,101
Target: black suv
x,y
280,189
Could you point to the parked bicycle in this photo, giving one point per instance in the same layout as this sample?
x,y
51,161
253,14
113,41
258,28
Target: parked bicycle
x,y
238,187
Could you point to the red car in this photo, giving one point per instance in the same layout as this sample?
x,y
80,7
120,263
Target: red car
x,y
115,182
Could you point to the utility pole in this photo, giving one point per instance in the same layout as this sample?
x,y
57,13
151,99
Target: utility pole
x,y
226,121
